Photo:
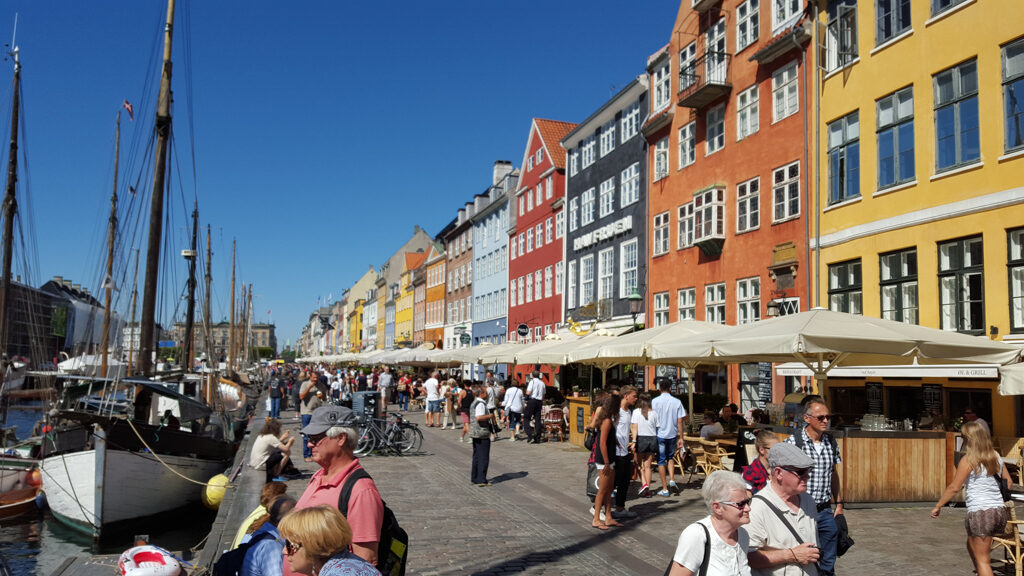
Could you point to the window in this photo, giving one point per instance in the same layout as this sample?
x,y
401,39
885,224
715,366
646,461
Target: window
x,y
589,144
540,156
956,116
687,73
549,187
746,24
785,99
714,303
574,162
1013,94
940,6
844,288
748,205
629,263
549,230
895,114
538,285
587,207
547,281
606,202
559,276
538,333
685,226
570,287
529,163
782,12
715,131
661,159
841,36
786,192
1015,263
529,200
716,59
898,283
687,145
709,214
522,244
573,213
661,234
538,233
586,280
522,205
746,112
892,17
844,158
660,309
605,273
748,300
962,286
512,249
608,137
560,224
629,182
688,304
630,122
540,195
529,240
529,288
660,85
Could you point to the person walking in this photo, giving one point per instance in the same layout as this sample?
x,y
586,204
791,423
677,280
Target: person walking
x,y
823,485
465,401
492,404
446,398
307,404
624,452
644,422
756,473
670,413
317,541
721,532
604,460
404,383
276,393
433,387
385,383
534,404
480,431
513,405
986,513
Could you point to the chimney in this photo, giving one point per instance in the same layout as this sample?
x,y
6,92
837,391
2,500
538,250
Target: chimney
x,y
58,280
66,283
501,168
76,287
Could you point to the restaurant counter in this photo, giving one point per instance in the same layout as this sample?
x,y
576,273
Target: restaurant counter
x,y
577,413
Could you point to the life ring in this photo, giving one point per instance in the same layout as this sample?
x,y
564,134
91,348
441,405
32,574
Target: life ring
x,y
148,561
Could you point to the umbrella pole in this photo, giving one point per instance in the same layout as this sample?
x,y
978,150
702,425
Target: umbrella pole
x,y
690,375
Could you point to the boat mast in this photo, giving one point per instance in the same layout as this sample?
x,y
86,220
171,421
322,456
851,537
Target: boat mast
x,y
190,313
156,207
248,326
109,284
231,325
206,304
10,208
133,328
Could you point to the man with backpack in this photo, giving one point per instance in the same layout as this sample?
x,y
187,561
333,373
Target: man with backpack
x,y
276,393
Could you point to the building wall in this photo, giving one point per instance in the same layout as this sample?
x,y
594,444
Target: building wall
x,y
370,323
459,284
358,293
437,267
403,309
490,270
419,309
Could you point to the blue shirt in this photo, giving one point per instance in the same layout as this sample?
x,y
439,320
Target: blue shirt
x,y
348,564
265,558
669,410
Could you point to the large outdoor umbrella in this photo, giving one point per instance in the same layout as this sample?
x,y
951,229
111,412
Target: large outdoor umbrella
x,y
500,354
1011,379
548,351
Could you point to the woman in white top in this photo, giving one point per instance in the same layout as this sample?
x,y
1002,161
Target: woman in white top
x,y
645,438
513,405
986,513
728,501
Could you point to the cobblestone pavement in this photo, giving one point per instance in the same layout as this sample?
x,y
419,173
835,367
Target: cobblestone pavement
x,y
534,519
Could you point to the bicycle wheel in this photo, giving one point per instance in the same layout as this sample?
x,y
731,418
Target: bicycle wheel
x,y
367,441
404,439
412,438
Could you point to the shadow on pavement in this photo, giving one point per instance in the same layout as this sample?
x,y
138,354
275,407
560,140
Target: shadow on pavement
x,y
509,476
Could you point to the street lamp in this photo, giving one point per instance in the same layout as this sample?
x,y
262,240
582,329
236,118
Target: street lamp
x,y
636,304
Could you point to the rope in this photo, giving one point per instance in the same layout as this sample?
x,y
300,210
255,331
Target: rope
x,y
165,465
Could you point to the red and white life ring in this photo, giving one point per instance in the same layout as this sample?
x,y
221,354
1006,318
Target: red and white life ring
x,y
148,561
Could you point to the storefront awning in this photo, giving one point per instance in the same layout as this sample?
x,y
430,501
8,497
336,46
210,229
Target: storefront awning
x,y
974,371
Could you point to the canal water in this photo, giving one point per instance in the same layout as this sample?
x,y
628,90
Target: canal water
x,y
37,544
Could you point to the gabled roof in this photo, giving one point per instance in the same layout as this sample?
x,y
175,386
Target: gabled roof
x,y
551,134
414,260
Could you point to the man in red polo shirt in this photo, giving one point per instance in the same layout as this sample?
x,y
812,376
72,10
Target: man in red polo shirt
x,y
333,433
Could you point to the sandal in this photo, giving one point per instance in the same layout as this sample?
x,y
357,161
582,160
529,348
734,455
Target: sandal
x,y
600,526
614,524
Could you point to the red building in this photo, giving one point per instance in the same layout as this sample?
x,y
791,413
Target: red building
x,y
727,143
535,268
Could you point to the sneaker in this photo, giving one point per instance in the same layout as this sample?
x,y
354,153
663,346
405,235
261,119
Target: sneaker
x,y
513,439
664,493
673,487
603,517
645,491
624,514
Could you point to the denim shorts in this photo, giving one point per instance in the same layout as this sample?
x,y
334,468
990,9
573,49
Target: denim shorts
x,y
433,405
666,450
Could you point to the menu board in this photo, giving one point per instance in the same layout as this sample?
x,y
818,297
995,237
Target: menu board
x,y
579,420
874,397
764,383
931,397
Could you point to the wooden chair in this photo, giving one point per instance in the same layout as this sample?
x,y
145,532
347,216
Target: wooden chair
x,y
554,424
695,455
696,422
1009,543
1014,458
713,454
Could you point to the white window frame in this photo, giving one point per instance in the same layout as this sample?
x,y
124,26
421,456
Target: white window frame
x,y
785,92
549,187
629,185
747,111
606,274
606,205
748,205
588,155
538,285
714,303
661,232
748,300
709,214
661,84
687,303
783,12
574,162
661,159
784,181
548,278
538,234
529,287
687,145
607,137
629,264
570,286
549,230
687,73
529,240
573,214
559,276
529,199
587,274
748,19
630,122
661,309
560,224
587,201
714,130
684,217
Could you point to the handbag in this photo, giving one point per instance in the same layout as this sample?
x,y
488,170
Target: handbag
x,y
589,436
1004,488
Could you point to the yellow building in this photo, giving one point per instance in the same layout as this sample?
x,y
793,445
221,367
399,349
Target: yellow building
x,y
919,191
404,302
355,327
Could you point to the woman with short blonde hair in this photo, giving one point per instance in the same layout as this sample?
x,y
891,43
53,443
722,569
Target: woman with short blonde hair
x,y
317,543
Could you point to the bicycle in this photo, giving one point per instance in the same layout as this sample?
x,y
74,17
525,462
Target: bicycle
x,y
393,433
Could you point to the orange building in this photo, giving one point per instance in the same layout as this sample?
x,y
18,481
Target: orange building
x,y
433,324
727,144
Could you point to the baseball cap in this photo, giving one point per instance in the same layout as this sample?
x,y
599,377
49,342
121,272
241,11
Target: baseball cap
x,y
785,455
326,417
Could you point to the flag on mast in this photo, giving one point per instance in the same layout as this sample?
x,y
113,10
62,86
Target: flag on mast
x,y
131,110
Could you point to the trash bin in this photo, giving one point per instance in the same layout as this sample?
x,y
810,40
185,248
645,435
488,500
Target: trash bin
x,y
366,404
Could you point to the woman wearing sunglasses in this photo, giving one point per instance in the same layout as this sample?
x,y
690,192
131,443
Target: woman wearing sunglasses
x,y
728,501
316,543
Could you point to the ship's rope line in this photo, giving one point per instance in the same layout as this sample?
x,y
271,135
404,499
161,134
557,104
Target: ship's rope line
x,y
71,484
165,465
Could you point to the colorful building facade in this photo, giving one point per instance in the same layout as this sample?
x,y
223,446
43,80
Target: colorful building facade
x,y
490,256
434,304
458,323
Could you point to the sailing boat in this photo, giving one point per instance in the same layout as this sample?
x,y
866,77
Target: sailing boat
x,y
129,448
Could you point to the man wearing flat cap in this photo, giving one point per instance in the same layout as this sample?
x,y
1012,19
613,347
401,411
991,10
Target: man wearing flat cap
x,y
332,434
783,525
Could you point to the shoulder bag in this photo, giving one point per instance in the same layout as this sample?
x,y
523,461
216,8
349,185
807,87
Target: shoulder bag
x,y
707,555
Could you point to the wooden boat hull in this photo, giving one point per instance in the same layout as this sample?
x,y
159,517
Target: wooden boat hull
x,y
19,502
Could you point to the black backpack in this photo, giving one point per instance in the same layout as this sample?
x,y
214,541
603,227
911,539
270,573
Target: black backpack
x,y
230,562
393,545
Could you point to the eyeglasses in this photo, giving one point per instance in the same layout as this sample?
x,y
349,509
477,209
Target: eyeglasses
x,y
315,439
290,548
800,472
822,417
738,505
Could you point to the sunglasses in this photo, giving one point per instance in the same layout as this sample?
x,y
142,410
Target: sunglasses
x,y
738,505
290,548
317,438
821,418
800,472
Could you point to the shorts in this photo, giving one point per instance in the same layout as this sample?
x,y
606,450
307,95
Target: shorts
x,y
464,417
514,419
666,450
646,444
433,405
986,523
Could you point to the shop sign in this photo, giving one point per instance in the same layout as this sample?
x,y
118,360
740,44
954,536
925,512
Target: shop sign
x,y
621,226
764,383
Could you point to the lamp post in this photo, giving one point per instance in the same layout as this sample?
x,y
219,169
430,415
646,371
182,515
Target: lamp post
x,y
636,304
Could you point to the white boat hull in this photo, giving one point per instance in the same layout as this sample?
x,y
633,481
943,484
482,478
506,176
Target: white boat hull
x,y
93,489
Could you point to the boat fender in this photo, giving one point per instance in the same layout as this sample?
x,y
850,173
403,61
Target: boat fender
x,y
148,561
34,478
41,502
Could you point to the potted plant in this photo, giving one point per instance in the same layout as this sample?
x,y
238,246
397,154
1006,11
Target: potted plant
x,y
576,391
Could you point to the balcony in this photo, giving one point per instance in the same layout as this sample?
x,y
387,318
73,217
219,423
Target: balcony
x,y
702,6
704,80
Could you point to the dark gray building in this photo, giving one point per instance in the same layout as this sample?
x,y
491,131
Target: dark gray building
x,y
606,211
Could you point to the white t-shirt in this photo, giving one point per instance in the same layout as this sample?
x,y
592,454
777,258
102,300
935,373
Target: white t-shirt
x,y
536,389
708,429
261,450
982,490
645,426
431,386
492,396
669,410
481,409
724,560
622,433
513,399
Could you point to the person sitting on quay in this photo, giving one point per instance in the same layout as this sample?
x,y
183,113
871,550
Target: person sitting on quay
x,y
270,450
264,558
317,543
728,502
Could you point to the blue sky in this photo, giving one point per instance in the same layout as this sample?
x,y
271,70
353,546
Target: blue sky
x,y
323,131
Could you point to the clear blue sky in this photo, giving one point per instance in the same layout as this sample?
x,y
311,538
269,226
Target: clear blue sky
x,y
323,130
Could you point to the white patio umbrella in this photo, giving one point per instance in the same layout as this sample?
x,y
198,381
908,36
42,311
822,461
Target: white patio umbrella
x,y
500,354
1011,379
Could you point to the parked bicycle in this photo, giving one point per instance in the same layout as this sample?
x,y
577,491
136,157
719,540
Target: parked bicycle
x,y
393,433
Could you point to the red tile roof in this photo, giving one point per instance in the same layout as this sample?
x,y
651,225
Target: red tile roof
x,y
414,260
552,132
